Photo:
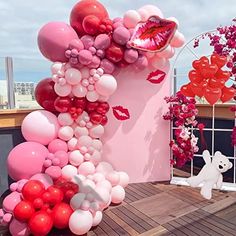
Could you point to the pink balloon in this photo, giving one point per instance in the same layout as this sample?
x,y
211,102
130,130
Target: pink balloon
x,y
53,40
92,96
106,85
26,160
77,44
65,133
131,19
124,179
113,177
62,156
117,194
73,76
18,228
62,90
85,57
141,63
54,172
88,41
65,119
102,41
45,179
95,63
57,145
107,66
178,40
131,55
11,201
40,126
96,157
79,91
76,158
121,35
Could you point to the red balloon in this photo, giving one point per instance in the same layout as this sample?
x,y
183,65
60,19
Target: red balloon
x,y
198,89
80,103
186,90
23,211
91,106
86,8
195,76
61,214
204,60
104,120
63,104
45,94
227,94
56,195
103,108
115,53
40,223
96,118
216,83
223,75
196,64
209,71
212,95
38,203
91,24
33,189
220,61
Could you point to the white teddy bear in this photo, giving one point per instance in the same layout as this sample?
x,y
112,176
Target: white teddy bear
x,y
211,173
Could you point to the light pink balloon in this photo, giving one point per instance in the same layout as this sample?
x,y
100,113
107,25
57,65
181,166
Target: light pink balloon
x,y
45,179
178,40
117,194
63,158
102,196
152,10
11,201
18,228
54,172
131,19
62,90
84,141
88,41
121,35
97,218
105,184
113,178
104,168
76,158
167,53
80,222
26,160
57,67
86,168
92,96
81,131
65,119
124,179
106,85
40,126
97,144
107,66
96,157
102,41
65,133
53,40
72,144
73,76
79,91
85,205
96,131
144,14
98,177
68,172
85,72
77,44
57,145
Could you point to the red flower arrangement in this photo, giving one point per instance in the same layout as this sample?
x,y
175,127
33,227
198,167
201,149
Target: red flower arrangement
x,y
182,111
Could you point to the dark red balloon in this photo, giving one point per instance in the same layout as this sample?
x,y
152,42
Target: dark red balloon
x,y
91,24
86,8
115,53
56,195
63,104
80,103
61,214
33,189
45,94
23,211
95,117
40,223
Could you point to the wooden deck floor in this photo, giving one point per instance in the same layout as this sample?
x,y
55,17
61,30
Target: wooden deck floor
x,y
161,209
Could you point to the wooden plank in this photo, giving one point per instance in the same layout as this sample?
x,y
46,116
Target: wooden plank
x,y
228,214
215,226
106,228
130,196
135,218
142,215
140,190
128,220
186,228
91,233
116,227
157,231
99,232
148,188
134,193
174,229
121,223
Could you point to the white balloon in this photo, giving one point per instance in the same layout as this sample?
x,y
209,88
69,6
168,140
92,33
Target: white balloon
x,y
97,218
68,172
117,194
92,96
62,90
102,195
96,131
81,131
106,85
57,66
97,144
80,222
96,157
98,177
113,178
77,200
86,168
76,158
84,141
87,186
72,144
78,179
65,133
152,10
85,205
131,19
124,179
65,119
79,91
104,168
105,184
73,76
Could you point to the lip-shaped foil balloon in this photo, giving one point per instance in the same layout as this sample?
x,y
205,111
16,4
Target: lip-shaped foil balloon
x,y
153,35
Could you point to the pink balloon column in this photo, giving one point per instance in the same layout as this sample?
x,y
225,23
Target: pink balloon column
x,y
61,180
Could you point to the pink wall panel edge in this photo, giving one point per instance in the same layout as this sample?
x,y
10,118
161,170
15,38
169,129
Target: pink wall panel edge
x,y
140,145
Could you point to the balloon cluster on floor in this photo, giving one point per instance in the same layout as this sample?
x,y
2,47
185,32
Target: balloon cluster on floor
x,y
60,178
208,79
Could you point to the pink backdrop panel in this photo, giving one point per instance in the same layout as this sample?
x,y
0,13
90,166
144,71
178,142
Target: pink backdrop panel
x,y
140,145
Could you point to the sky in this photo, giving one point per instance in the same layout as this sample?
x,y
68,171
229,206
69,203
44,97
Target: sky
x,y
22,19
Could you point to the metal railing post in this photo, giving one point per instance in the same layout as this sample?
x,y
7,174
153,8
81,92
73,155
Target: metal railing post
x,y
10,82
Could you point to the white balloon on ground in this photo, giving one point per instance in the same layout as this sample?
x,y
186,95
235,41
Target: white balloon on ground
x,y
124,179
113,178
97,218
117,194
178,40
80,222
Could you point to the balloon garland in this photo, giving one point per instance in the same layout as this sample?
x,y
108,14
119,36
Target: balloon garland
x,y
60,179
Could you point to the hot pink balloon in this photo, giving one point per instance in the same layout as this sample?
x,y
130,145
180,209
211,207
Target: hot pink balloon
x,y
57,145
53,40
40,126
11,201
26,160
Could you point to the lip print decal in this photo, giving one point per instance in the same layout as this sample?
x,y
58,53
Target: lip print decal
x,y
156,77
153,35
121,113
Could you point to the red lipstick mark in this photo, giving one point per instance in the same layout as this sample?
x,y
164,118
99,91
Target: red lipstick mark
x,y
121,113
156,77
153,35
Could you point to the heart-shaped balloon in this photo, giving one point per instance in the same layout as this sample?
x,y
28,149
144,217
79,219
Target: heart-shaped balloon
x,y
186,90
153,35
195,76
220,61
196,64
223,75
198,88
216,83
227,94
212,95
209,71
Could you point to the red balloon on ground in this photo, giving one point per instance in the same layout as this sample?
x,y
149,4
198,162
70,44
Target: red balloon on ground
x,y
23,211
33,189
45,94
41,223
61,214
86,8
